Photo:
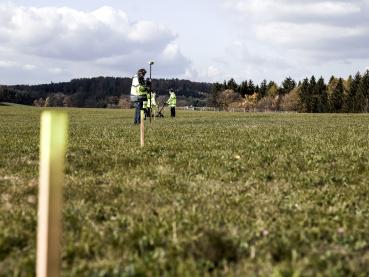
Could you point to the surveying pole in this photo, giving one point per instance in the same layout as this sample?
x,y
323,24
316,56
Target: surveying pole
x,y
150,109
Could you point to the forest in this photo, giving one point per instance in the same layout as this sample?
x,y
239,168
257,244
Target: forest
x,y
311,95
100,92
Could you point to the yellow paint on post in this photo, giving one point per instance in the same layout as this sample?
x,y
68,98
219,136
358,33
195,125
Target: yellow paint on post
x,y
54,128
142,129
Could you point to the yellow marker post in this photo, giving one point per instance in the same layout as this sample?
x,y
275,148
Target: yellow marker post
x,y
142,129
54,127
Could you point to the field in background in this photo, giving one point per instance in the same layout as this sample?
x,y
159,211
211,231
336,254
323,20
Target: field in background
x,y
227,193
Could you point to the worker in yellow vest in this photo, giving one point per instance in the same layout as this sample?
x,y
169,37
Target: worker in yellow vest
x,y
138,93
172,102
147,104
154,105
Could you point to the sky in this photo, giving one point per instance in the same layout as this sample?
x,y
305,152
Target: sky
x,y
200,40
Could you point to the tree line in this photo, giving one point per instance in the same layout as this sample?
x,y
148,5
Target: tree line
x,y
310,95
99,92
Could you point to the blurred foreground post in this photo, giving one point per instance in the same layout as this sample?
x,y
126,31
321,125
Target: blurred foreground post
x,y
142,129
54,127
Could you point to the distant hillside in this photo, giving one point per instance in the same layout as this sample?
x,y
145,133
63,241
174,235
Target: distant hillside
x,y
100,92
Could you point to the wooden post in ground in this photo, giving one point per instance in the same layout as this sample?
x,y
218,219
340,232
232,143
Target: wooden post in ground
x,y
54,127
142,129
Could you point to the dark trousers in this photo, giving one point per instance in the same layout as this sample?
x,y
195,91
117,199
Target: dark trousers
x,y
173,111
147,112
138,107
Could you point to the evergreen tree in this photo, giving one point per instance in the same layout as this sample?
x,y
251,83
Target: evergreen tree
x,y
337,97
363,93
251,87
232,85
217,88
352,100
311,101
263,88
257,89
332,81
304,95
243,89
321,97
287,85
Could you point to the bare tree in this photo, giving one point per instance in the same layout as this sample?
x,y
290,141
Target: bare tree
x,y
226,97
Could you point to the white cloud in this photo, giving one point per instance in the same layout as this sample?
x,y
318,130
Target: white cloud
x,y
209,73
172,56
149,32
306,23
64,41
16,65
261,56
170,61
7,64
213,72
191,74
56,70
171,52
312,32
29,67
66,33
309,35
286,9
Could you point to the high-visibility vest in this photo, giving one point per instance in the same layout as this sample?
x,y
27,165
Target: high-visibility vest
x,y
137,89
147,104
172,101
153,99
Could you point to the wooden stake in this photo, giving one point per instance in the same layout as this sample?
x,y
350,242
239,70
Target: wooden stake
x,y
54,127
142,129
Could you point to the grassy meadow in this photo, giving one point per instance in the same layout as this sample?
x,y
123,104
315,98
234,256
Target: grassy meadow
x,y
233,194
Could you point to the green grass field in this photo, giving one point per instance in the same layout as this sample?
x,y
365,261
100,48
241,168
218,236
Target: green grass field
x,y
210,193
